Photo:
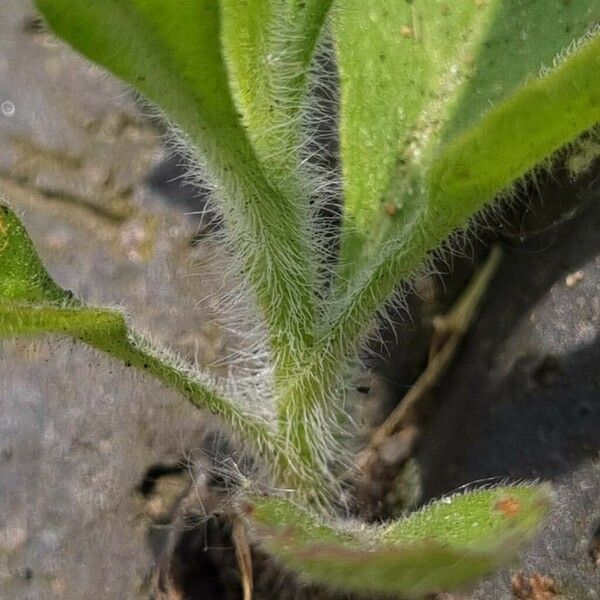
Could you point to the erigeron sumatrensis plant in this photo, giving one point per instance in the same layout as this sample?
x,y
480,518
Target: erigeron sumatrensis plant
x,y
443,106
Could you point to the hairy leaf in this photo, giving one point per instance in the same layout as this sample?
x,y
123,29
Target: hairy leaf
x,y
269,45
447,545
544,115
171,52
416,74
168,51
23,278
31,303
471,167
480,519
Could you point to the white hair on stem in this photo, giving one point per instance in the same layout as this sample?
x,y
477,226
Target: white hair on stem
x,y
252,380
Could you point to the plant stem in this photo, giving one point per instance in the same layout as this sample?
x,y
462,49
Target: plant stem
x,y
461,181
107,330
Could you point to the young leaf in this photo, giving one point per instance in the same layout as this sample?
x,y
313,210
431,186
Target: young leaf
x,y
32,303
472,168
168,51
544,115
462,176
22,275
447,545
392,59
437,69
479,520
171,52
269,45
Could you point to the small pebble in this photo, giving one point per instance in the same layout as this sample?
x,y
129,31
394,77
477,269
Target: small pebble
x,y
573,279
8,108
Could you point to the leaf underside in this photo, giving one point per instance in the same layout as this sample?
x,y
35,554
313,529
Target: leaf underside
x,y
446,545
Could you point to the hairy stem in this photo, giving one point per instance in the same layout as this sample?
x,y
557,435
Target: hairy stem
x,y
172,53
472,170
107,330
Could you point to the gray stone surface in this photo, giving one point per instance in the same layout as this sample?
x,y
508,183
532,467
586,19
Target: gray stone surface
x,y
522,401
78,431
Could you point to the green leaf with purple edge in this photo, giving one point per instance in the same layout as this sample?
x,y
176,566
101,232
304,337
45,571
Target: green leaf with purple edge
x,y
447,545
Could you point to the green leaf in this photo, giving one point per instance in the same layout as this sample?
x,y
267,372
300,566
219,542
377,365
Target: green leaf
x,y
447,545
171,52
22,275
479,520
462,175
473,166
543,116
269,45
417,74
392,59
168,51
31,303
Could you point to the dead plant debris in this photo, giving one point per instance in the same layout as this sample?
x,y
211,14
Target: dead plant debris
x,y
534,587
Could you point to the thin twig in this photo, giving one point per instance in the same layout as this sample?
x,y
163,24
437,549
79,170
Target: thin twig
x,y
243,554
449,332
